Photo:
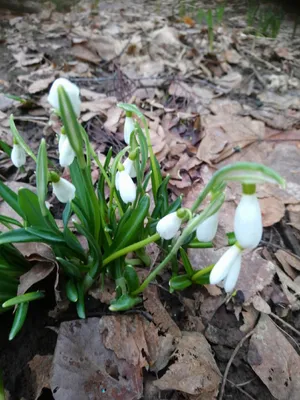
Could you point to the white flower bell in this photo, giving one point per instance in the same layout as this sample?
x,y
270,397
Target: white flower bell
x,y
130,168
72,91
63,190
18,155
125,186
207,230
248,227
66,152
228,268
169,225
128,128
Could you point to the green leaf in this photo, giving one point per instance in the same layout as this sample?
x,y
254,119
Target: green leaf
x,y
5,147
156,177
19,236
201,277
67,213
19,319
42,176
71,125
11,221
132,227
180,282
131,108
143,146
186,263
124,302
23,298
74,244
19,138
131,277
11,198
47,235
69,268
30,206
71,291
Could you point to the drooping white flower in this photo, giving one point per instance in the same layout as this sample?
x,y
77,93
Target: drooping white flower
x,y
130,168
126,187
223,267
72,91
169,225
64,190
128,128
18,155
207,230
248,227
66,152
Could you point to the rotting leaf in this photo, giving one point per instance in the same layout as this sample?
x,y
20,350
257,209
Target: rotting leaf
x,y
194,370
274,360
83,368
40,367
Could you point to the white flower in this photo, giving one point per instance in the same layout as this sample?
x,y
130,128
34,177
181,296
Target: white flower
x,y
18,155
64,190
168,226
130,168
248,227
66,152
71,90
227,267
207,230
128,128
126,187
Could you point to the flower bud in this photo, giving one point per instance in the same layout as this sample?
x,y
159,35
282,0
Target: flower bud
x,y
248,222
169,225
223,266
126,187
130,168
207,230
66,152
18,155
128,128
63,190
72,91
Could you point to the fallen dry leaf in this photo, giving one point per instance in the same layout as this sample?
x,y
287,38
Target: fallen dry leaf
x,y
83,368
40,367
194,370
274,360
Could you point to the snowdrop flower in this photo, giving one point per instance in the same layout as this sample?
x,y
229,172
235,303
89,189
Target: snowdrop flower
x,y
72,91
228,268
18,155
206,231
128,128
248,227
169,225
126,186
66,152
130,168
63,190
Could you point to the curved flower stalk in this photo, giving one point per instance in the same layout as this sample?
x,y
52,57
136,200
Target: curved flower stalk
x,y
72,91
18,155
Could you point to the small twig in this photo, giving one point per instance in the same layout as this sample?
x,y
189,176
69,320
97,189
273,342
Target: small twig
x,y
235,351
267,63
288,335
285,323
241,390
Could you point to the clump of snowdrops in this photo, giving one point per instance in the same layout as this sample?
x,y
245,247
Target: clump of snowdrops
x,y
118,227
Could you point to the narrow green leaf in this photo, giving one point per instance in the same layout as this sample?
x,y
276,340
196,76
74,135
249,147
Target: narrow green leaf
x,y
11,198
123,303
19,319
186,263
69,268
6,148
19,236
131,108
180,282
23,299
71,291
46,235
42,177
30,206
11,221
131,277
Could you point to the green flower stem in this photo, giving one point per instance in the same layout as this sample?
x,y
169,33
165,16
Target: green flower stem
x,y
200,245
202,272
212,208
131,248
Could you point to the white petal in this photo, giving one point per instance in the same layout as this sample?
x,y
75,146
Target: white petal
x,y
208,229
168,226
72,91
61,142
66,154
18,155
127,187
64,190
130,168
248,222
233,275
117,180
222,267
128,128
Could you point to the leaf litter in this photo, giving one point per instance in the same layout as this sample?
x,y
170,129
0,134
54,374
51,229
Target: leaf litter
x,y
204,111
